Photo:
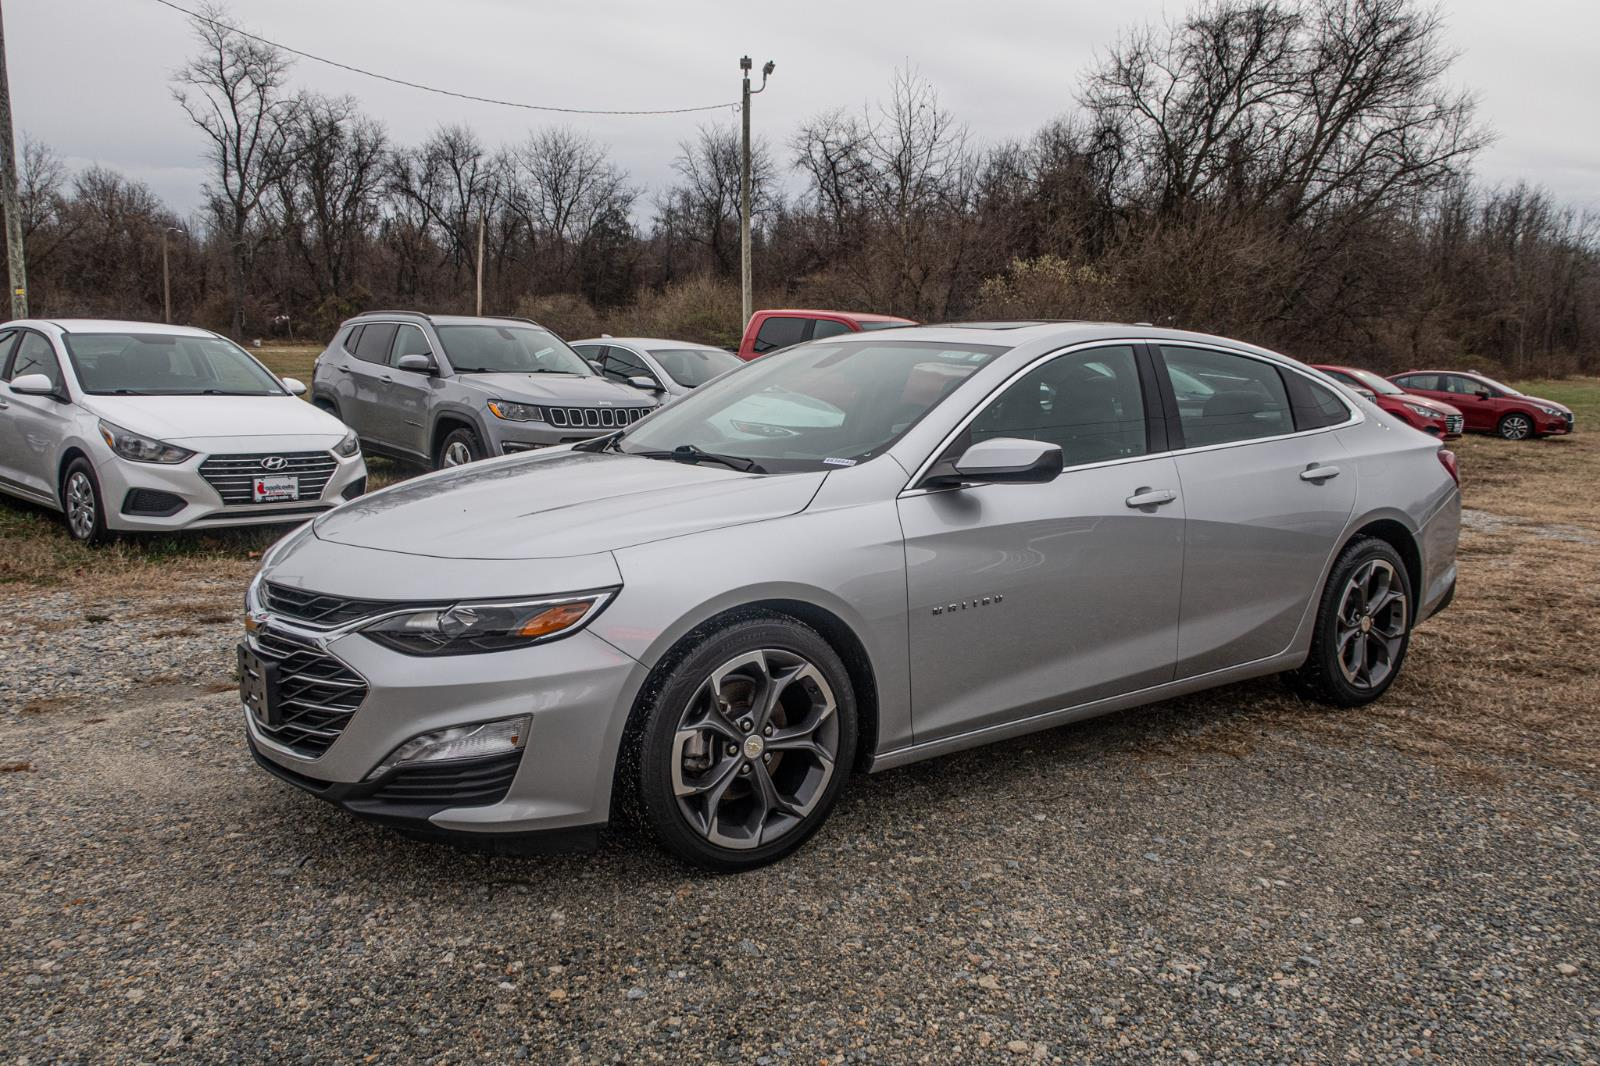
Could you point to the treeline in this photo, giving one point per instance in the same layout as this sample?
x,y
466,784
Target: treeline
x,y
1293,172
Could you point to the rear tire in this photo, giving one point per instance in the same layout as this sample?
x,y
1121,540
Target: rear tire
x,y
459,447
83,505
1515,426
748,736
1363,627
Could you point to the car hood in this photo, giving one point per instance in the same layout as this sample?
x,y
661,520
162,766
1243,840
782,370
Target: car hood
x,y
558,389
1428,402
558,504
181,418
1541,401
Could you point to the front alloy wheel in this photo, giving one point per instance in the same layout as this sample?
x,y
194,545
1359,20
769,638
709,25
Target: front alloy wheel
x,y
744,741
1516,427
80,500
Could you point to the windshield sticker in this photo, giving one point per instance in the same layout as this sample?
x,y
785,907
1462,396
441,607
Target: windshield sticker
x,y
839,462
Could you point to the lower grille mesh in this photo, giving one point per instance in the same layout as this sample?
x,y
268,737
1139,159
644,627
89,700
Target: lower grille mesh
x,y
316,695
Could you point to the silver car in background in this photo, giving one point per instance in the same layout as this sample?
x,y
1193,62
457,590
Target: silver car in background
x,y
443,390
676,367
850,555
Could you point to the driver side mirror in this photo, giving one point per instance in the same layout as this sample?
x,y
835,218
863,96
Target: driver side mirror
x,y
295,386
417,364
645,382
35,385
1001,460
594,364
1483,394
1367,394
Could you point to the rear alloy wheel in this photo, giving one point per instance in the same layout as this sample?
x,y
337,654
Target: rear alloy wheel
x,y
80,501
459,447
1516,426
1363,627
747,745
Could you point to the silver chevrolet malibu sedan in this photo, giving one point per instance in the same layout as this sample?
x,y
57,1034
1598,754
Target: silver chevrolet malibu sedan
x,y
847,556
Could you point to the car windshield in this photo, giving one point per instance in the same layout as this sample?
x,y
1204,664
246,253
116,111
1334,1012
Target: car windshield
x,y
814,406
509,349
693,367
1381,386
162,364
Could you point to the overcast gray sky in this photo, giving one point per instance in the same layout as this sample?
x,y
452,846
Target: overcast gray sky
x,y
93,77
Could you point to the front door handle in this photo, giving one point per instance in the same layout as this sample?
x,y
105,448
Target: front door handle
x,y
1318,473
1151,497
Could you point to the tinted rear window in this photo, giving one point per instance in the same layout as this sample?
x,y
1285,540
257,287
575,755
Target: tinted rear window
x,y
374,342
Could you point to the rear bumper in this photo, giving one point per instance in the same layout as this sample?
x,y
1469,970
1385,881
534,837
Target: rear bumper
x,y
1438,538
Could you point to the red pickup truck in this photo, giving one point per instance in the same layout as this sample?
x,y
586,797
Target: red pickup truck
x,y
770,330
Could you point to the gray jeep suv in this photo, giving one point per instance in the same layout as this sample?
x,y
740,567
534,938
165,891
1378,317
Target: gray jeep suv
x,y
443,390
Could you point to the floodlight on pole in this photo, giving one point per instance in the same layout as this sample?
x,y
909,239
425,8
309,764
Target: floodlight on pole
x,y
747,296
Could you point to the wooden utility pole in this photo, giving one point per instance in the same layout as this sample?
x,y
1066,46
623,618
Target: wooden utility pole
x,y
482,221
746,290
16,257
166,279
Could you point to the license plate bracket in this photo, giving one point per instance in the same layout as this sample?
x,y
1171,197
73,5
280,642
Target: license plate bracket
x,y
275,488
258,687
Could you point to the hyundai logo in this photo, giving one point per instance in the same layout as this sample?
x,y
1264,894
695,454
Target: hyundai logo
x,y
274,462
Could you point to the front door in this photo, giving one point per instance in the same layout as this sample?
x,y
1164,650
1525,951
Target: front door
x,y
1268,490
404,395
1026,599
31,426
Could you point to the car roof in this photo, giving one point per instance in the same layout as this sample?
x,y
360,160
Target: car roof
x,y
648,343
860,316
111,325
1045,335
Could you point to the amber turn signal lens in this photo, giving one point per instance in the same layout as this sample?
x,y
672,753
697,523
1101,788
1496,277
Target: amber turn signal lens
x,y
554,619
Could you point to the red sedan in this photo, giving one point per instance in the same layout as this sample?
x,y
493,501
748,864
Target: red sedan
x,y
1489,406
1419,412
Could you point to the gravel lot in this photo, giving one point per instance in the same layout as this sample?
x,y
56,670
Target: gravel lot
x,y
1234,877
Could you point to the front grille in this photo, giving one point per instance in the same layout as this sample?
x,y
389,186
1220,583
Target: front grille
x,y
462,783
1453,423
233,475
322,611
594,417
316,693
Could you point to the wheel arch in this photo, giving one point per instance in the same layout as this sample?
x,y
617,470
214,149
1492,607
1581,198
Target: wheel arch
x,y
446,421
1403,540
68,454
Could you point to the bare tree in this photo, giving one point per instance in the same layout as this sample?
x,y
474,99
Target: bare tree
x,y
562,192
702,210
233,90
443,186
330,197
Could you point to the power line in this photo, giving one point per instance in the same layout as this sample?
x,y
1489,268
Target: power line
x,y
429,88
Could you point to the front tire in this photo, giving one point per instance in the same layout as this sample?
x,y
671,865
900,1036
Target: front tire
x,y
1515,426
459,447
82,504
1363,627
747,741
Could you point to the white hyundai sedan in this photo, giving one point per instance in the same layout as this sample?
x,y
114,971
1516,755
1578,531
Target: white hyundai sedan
x,y
138,426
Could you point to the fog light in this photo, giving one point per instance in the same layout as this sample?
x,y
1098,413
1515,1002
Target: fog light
x,y
458,742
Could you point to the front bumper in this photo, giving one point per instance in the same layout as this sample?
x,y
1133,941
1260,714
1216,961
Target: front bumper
x,y
1553,425
578,692
202,507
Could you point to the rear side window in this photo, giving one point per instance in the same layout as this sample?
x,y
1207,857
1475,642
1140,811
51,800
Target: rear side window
x,y
373,344
827,327
6,339
1223,397
351,338
780,331
1315,406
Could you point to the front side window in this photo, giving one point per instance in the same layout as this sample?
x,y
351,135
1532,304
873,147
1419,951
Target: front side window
x,y
157,364
1461,386
813,408
1366,379
780,331
693,367
1089,403
620,364
509,349
409,341
1223,397
35,356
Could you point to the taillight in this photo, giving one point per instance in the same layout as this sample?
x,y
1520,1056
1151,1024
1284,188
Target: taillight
x,y
1447,459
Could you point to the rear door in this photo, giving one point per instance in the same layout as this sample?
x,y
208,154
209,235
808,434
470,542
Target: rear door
x,y
1267,488
366,372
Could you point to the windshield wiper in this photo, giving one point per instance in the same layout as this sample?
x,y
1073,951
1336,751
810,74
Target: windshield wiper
x,y
694,455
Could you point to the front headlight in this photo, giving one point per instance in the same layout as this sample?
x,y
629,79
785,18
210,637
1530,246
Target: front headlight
x,y
512,411
469,628
1425,412
349,446
141,449
1553,412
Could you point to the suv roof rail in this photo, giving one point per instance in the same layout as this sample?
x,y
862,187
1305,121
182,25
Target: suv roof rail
x,y
413,314
512,318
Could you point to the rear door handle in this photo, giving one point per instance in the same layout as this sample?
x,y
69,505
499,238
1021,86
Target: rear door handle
x,y
341,368
1315,472
1151,497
